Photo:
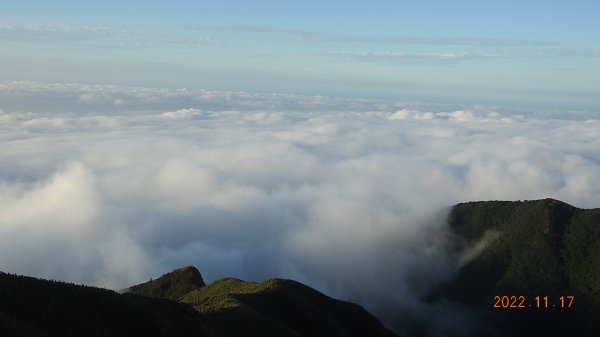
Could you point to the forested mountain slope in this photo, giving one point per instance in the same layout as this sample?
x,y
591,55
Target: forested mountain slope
x,y
544,252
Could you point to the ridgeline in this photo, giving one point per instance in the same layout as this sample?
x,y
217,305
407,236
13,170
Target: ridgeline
x,y
178,304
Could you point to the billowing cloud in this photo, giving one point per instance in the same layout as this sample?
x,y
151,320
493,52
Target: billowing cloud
x,y
348,196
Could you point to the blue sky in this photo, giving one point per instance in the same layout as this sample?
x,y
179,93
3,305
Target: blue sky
x,y
525,52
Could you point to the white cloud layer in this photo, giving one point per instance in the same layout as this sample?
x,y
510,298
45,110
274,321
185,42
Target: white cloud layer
x,y
346,196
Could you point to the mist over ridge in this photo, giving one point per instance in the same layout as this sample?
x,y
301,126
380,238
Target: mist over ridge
x,y
347,196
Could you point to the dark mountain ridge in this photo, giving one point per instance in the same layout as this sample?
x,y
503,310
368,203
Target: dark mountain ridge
x,y
541,251
172,285
35,307
228,307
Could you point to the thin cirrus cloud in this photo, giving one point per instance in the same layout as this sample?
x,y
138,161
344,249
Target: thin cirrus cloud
x,y
131,36
53,33
349,197
98,36
453,56
179,36
401,56
316,36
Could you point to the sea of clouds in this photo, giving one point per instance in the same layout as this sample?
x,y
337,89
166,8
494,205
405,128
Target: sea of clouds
x,y
113,185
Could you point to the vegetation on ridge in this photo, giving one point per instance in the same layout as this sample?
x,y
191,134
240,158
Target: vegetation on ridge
x,y
228,308
279,307
34,307
172,285
543,248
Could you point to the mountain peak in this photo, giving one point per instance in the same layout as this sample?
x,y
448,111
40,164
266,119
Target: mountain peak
x,y
172,285
190,270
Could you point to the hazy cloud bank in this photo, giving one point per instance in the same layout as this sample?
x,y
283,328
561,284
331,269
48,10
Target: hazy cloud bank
x,y
29,96
351,202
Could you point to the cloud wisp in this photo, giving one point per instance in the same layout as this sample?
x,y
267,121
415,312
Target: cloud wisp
x,y
349,201
99,37
316,36
443,57
403,57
